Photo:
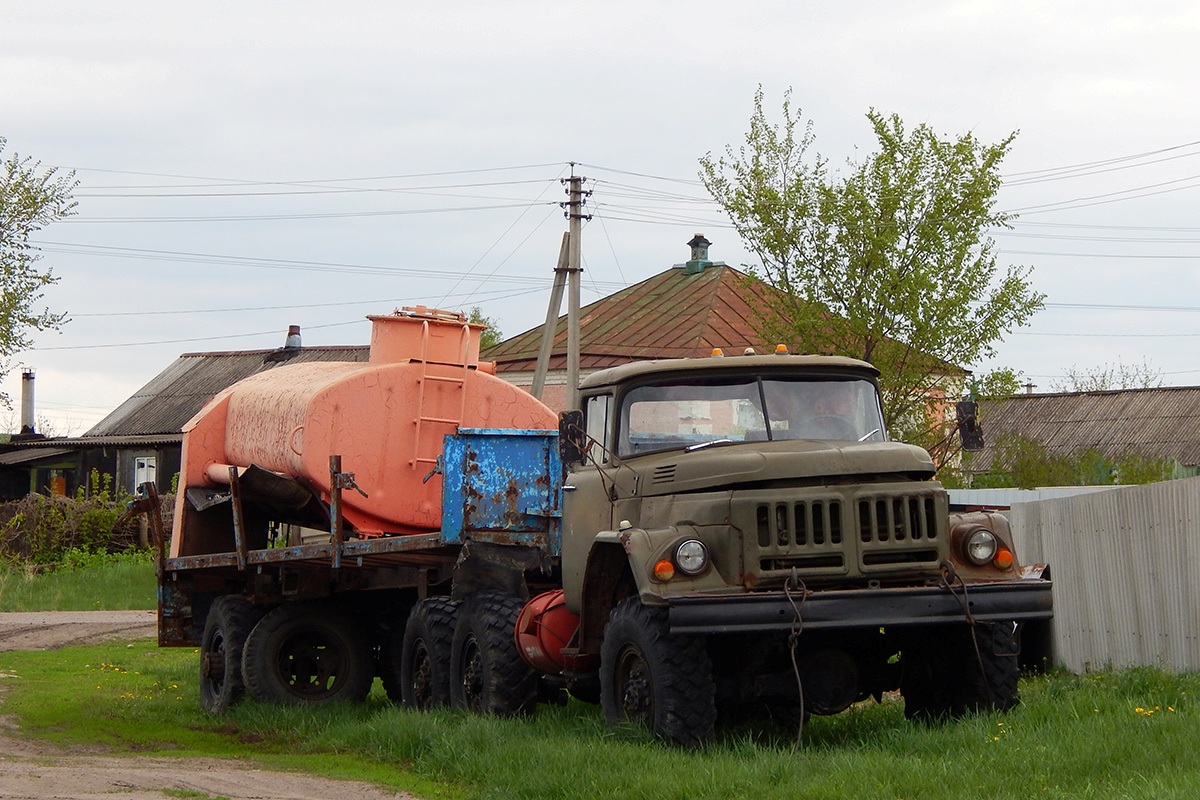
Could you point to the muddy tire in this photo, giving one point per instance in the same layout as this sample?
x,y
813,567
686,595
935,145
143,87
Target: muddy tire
x,y
229,622
487,674
303,653
650,677
416,660
947,674
999,668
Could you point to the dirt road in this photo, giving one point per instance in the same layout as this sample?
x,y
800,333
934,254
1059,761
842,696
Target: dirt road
x,y
33,769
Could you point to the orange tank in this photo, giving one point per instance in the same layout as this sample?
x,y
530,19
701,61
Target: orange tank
x,y
386,418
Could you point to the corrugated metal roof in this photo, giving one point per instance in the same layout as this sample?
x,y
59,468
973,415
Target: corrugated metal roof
x,y
33,454
172,397
1157,423
670,315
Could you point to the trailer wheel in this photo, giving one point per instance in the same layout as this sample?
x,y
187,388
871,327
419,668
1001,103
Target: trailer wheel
x,y
229,622
487,674
416,661
304,653
651,677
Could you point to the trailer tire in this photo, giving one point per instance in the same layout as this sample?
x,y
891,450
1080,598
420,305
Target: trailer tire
x,y
303,653
416,661
649,676
229,622
487,673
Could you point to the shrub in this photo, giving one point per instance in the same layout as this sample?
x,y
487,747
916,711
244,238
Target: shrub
x,y
46,529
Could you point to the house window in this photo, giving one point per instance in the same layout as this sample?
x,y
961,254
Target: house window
x,y
144,470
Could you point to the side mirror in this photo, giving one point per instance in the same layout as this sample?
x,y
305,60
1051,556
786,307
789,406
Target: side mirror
x,y
572,438
969,429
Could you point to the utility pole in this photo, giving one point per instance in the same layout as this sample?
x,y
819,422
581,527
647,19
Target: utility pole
x,y
566,274
575,226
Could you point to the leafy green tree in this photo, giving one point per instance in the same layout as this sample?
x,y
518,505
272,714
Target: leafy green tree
x,y
490,337
1004,382
30,199
889,261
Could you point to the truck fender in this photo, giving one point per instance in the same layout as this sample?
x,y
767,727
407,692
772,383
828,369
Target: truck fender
x,y
617,567
608,579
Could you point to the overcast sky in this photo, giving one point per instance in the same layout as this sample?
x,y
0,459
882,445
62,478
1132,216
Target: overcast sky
x,y
245,166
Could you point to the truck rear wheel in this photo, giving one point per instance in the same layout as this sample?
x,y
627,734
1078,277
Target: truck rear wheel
x,y
651,677
304,653
416,662
229,622
487,674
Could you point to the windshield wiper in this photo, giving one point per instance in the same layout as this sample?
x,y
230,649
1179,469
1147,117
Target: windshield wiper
x,y
866,436
703,445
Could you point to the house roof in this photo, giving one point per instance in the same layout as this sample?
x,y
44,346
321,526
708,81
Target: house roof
x,y
678,313
172,397
1157,423
24,456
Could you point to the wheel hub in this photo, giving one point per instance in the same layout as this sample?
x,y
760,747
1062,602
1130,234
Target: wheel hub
x,y
637,694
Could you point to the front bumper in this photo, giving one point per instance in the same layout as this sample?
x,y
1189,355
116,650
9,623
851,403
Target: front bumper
x,y
1016,601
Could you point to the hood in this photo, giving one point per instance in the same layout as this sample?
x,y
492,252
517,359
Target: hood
x,y
723,465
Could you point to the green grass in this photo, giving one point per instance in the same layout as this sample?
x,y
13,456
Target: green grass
x,y
1129,734
84,582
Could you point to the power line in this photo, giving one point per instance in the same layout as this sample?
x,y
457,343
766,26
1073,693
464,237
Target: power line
x,y
275,263
306,182
328,190
182,341
1097,255
278,217
1104,162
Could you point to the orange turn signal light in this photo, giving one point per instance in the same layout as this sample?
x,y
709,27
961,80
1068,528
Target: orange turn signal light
x,y
664,570
717,352
1003,558
781,350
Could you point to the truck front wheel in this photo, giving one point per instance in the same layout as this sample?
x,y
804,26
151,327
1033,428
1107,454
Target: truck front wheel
x,y
306,653
487,674
651,677
950,673
998,668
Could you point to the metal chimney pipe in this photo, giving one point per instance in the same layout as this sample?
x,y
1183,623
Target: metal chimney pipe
x,y
27,411
293,336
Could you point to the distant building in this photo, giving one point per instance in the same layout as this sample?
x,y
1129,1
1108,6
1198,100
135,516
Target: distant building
x,y
141,439
1151,423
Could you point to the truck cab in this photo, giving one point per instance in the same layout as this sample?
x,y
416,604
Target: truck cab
x,y
741,501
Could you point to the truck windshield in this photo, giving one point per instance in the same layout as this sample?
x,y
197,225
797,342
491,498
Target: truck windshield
x,y
681,414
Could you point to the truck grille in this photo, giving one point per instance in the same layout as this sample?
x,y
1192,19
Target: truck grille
x,y
861,534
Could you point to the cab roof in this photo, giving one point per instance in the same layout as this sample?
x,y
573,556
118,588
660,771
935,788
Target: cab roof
x,y
792,364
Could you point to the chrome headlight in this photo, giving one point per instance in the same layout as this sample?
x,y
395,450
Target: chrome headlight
x,y
980,546
691,557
